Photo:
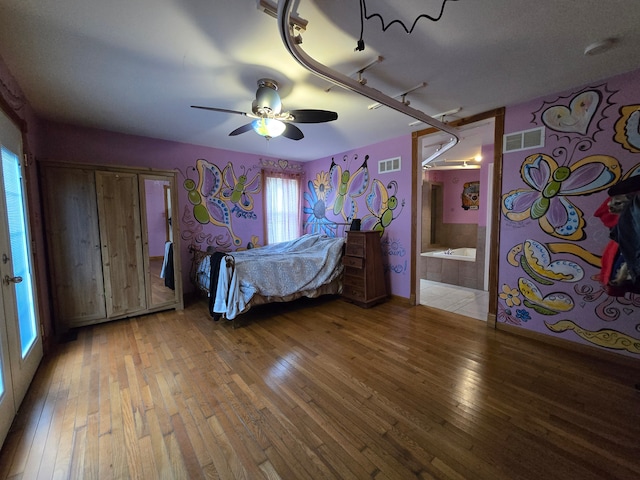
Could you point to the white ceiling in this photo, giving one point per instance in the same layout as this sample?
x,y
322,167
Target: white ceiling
x,y
467,153
137,66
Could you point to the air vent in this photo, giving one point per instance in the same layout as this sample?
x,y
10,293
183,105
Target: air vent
x,y
524,140
389,165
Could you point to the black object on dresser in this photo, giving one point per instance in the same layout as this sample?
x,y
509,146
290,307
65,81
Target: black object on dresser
x,y
364,279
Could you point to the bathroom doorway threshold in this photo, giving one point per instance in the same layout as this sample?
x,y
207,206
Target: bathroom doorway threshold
x,y
452,298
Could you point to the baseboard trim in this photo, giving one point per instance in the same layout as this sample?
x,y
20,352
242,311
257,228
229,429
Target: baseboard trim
x,y
411,301
572,346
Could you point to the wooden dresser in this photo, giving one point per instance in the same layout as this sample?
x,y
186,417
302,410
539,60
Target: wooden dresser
x,y
364,278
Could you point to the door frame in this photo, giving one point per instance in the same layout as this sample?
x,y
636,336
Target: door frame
x,y
21,369
416,201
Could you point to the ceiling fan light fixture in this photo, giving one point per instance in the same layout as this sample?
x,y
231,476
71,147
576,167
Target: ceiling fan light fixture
x,y
267,99
268,127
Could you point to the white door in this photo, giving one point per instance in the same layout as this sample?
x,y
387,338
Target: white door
x,y
20,340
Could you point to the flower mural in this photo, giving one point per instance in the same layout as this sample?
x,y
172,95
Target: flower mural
x,y
322,185
316,209
511,296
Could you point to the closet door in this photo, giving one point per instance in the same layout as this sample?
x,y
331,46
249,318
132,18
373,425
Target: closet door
x,y
73,241
121,240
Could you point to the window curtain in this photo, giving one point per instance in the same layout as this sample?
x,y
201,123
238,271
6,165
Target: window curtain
x,y
282,206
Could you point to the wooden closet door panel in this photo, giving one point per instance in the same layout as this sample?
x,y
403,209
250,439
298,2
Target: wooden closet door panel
x,y
121,239
73,241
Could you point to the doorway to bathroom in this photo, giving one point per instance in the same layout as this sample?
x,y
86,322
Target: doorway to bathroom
x,y
456,219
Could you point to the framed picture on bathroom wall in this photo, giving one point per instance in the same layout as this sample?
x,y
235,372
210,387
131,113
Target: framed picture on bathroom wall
x,y
471,196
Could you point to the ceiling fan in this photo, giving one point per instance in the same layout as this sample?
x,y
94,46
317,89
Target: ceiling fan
x,y
270,121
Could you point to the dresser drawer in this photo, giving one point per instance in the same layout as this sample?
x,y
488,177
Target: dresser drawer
x,y
354,280
354,250
355,293
355,262
355,245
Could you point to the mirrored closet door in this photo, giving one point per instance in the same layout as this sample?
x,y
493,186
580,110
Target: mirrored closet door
x,y
158,231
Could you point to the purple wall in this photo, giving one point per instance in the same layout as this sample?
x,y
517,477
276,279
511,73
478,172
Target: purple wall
x,y
452,185
380,201
550,240
451,180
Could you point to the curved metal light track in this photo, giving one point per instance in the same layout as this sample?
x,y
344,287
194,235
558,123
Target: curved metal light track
x,y
293,47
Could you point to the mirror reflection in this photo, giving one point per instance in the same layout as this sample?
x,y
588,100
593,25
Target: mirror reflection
x,y
159,240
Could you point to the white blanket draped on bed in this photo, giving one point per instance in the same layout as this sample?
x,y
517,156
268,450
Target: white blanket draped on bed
x,y
278,270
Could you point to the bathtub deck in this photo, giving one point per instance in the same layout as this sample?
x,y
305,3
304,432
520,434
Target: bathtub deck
x,y
465,254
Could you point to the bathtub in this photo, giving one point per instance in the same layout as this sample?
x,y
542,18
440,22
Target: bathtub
x,y
465,254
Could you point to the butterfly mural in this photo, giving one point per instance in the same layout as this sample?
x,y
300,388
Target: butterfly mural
x,y
348,186
381,206
632,172
535,259
551,185
239,190
628,128
550,304
204,195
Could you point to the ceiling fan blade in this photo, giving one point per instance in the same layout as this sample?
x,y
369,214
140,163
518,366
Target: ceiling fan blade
x,y
242,129
292,132
312,116
223,110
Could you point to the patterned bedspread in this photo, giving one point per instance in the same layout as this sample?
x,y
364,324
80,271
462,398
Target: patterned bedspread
x,y
277,270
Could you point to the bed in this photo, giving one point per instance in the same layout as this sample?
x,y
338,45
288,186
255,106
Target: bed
x,y
308,266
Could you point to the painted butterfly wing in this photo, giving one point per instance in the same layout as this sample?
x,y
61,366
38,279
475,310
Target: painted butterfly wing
x,y
516,204
563,219
590,175
377,198
220,216
537,169
359,180
209,178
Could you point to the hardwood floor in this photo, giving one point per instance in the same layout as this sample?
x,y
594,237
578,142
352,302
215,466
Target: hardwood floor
x,y
323,389
159,292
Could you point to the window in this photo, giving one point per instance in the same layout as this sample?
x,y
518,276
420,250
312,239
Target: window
x,y
282,207
19,239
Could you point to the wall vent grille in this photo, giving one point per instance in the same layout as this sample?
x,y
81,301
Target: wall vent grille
x,y
389,165
524,140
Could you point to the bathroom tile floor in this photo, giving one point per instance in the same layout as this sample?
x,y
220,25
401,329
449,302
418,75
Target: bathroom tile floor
x,y
452,298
